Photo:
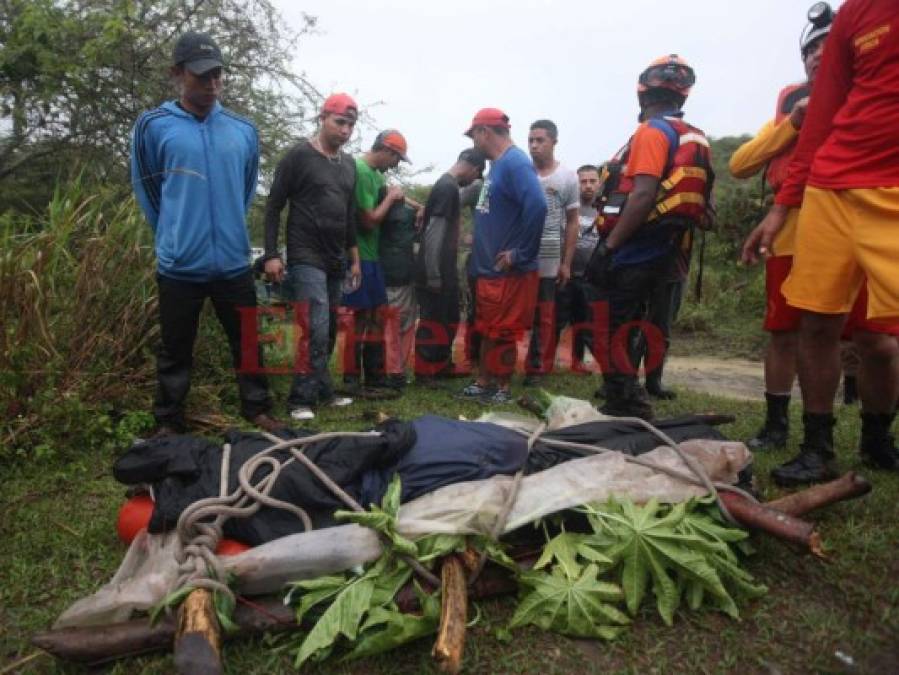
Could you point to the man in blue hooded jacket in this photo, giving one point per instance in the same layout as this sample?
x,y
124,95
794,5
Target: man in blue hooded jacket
x,y
194,167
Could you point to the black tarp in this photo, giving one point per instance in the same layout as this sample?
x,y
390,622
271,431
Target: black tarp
x,y
427,453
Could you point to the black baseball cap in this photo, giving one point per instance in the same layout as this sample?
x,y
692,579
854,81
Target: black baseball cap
x,y
197,52
474,157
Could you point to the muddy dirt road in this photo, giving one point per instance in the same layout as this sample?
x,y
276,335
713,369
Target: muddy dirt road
x,y
733,378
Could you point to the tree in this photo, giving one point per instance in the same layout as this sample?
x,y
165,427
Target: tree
x,y
75,74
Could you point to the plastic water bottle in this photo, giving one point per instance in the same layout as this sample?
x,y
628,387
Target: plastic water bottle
x,y
350,283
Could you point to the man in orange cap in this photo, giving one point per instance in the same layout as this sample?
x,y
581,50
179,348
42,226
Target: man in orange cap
x,y
508,225
364,359
316,178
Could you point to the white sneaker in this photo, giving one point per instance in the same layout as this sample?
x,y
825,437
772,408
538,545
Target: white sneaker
x,y
302,413
340,402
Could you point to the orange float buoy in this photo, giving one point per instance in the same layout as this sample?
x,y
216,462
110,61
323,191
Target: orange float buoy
x,y
134,516
231,547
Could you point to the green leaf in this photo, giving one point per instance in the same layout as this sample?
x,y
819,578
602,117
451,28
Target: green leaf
x,y
224,611
389,581
438,545
314,592
386,629
383,519
563,549
170,601
679,550
391,501
570,606
495,551
341,618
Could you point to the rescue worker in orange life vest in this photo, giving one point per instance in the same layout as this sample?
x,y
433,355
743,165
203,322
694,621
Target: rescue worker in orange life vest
x,y
657,188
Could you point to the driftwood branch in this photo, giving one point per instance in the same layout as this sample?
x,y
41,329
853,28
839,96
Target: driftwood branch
x,y
198,643
98,644
781,525
450,644
848,486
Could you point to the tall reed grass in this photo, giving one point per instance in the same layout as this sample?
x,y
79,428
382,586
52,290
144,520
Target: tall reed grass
x,y
78,313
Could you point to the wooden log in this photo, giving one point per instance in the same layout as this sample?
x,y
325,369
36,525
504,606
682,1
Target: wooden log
x,y
848,486
95,645
198,644
450,644
781,525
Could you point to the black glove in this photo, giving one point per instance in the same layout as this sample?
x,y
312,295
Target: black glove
x,y
599,268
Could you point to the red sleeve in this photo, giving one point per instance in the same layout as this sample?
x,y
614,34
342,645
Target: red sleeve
x,y
832,85
648,154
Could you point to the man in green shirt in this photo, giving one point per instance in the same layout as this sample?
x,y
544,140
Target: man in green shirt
x,y
364,350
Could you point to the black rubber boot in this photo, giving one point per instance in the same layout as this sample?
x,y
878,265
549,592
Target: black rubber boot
x,y
373,372
878,447
654,385
815,462
624,398
776,429
850,389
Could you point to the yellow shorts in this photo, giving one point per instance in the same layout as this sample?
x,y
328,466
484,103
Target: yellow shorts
x,y
785,240
842,237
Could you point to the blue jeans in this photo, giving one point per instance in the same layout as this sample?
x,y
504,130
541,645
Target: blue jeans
x,y
308,284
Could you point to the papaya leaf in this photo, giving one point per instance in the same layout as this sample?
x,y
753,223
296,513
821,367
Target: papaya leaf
x,y
569,606
563,550
495,551
677,551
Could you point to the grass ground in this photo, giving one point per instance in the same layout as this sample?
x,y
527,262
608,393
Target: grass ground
x,y
59,544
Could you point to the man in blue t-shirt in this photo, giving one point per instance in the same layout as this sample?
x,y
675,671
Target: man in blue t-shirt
x,y
508,224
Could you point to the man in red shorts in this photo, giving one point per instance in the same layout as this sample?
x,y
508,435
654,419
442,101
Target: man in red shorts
x,y
772,150
845,175
508,224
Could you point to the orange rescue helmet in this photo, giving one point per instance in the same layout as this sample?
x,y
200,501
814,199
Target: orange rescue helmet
x,y
667,72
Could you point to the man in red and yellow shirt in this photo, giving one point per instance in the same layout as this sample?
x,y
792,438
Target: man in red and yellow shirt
x,y
845,176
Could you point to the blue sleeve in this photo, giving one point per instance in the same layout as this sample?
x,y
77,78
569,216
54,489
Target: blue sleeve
x,y
252,170
146,175
529,193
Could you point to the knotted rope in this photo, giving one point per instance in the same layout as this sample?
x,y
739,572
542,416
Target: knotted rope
x,y
198,565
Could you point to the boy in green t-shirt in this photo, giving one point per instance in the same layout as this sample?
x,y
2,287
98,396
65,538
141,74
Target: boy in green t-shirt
x,y
364,351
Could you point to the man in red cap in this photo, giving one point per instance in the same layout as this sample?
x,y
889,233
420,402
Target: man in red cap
x,y
508,224
364,360
317,180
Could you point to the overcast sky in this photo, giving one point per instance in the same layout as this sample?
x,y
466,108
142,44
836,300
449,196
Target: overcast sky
x,y
433,64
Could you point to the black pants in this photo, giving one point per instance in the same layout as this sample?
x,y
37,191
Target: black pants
x,y
661,312
438,320
544,334
472,337
628,292
574,308
180,304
